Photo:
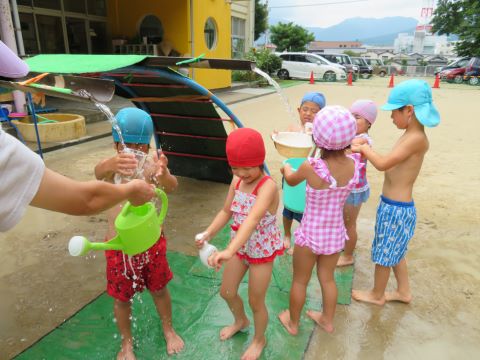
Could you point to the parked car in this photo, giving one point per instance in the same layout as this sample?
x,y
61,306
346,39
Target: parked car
x,y
365,70
456,64
300,65
342,59
453,75
472,71
378,67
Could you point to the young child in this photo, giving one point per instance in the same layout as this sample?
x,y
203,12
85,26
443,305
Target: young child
x,y
412,109
312,103
321,235
127,276
252,202
365,113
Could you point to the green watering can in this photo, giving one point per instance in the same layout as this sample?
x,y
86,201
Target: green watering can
x,y
138,229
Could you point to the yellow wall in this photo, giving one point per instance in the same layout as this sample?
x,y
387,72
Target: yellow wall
x,y
125,16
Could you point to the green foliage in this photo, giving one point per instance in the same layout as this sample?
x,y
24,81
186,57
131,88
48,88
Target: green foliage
x,y
352,53
290,37
261,19
460,17
265,61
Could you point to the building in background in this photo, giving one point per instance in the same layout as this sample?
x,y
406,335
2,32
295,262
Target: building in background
x,y
335,47
161,27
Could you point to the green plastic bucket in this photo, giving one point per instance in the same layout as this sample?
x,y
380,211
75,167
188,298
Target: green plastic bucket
x,y
294,196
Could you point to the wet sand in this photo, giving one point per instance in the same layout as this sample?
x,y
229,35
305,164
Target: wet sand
x,y
41,285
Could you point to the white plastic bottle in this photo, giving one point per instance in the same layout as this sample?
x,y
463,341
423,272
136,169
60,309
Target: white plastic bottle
x,y
207,249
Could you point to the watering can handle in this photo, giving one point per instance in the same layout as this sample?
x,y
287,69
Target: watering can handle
x,y
163,212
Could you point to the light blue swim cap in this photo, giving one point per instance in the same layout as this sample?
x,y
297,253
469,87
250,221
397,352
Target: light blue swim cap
x,y
315,97
419,94
136,126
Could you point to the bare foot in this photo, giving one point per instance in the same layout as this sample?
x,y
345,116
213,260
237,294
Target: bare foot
x,y
126,351
396,296
254,350
317,316
367,296
345,260
228,331
284,318
290,251
174,342
286,242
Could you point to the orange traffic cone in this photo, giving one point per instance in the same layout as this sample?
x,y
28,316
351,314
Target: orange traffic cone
x,y
391,84
312,78
349,79
436,84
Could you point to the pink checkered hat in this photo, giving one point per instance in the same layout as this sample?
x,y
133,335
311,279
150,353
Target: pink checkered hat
x,y
334,128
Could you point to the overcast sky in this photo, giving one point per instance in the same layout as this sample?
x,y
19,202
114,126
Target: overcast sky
x,y
332,14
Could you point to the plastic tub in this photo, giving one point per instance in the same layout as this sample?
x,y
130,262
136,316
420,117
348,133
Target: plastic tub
x,y
293,144
294,196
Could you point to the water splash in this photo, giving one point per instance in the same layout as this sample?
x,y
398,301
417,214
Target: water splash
x,y
279,91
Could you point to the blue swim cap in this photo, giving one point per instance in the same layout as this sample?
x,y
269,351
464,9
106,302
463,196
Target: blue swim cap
x,y
136,126
417,93
315,97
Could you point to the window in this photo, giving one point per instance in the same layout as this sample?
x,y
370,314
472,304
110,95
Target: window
x,y
299,58
210,32
238,38
151,28
98,37
28,33
285,57
97,7
51,34
315,60
77,36
77,6
47,4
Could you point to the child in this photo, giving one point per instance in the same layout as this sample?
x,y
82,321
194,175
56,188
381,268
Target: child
x,y
365,113
252,202
312,103
321,235
412,109
126,276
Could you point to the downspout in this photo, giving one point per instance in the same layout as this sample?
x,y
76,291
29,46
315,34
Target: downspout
x,y
18,27
192,41
8,37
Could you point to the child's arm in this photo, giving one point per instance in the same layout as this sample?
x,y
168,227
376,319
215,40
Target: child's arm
x,y
295,177
263,201
221,219
86,198
160,174
409,146
122,163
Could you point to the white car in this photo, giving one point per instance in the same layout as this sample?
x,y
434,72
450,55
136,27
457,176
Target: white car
x,y
300,65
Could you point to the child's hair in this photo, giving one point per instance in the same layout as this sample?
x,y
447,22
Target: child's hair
x,y
136,126
334,128
315,97
366,109
418,94
245,148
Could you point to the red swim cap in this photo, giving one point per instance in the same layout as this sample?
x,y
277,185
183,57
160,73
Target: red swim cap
x,y
245,148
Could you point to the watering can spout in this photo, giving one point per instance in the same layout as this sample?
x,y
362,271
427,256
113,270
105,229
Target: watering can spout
x,y
80,245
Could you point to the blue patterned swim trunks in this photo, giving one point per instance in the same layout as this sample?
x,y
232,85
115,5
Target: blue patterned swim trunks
x,y
394,228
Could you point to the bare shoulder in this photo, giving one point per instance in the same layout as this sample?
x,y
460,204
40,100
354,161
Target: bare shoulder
x,y
415,142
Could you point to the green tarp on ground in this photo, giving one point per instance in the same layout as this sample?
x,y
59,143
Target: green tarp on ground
x,y
80,64
198,315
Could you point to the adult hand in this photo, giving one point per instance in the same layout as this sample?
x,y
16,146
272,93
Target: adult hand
x,y
140,192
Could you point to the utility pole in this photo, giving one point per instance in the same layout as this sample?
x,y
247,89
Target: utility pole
x,y
8,37
266,31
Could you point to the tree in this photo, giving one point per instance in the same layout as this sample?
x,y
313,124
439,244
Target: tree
x,y
460,17
290,37
261,19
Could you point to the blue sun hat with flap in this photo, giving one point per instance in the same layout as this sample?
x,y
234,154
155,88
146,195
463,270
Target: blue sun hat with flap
x,y
419,94
136,126
315,97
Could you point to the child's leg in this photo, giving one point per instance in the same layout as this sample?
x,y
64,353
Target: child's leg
x,y
287,230
260,276
403,293
303,262
123,311
325,269
233,274
377,294
350,215
163,303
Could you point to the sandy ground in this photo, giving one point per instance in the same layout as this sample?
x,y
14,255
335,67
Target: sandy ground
x,y
41,285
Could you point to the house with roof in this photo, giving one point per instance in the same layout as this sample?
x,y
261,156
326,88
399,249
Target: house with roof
x,y
335,47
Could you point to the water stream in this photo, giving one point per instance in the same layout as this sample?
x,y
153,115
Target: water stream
x,y
279,91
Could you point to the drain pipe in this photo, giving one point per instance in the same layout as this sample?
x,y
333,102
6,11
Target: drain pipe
x,y
192,39
8,36
18,27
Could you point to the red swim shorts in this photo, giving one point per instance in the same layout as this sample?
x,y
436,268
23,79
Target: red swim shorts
x,y
127,275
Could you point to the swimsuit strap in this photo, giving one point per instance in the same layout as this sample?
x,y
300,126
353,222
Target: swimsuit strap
x,y
238,184
260,183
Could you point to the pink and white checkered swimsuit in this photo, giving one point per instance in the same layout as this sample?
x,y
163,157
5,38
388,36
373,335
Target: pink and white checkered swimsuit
x,y
322,228
265,243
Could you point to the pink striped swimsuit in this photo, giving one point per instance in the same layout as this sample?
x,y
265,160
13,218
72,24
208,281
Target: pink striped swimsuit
x,y
322,228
